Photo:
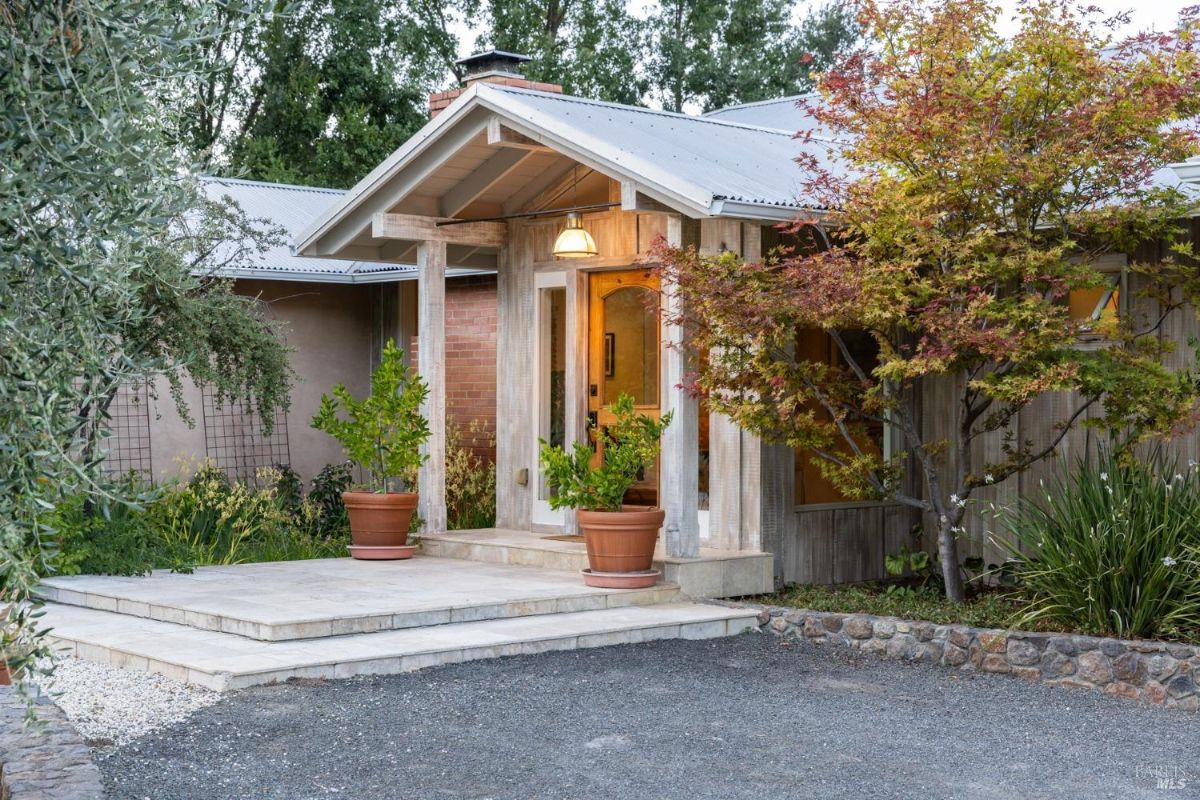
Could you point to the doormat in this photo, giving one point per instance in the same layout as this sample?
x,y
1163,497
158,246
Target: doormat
x,y
565,538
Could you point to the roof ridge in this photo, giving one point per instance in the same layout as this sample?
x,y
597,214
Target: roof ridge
x,y
271,184
587,101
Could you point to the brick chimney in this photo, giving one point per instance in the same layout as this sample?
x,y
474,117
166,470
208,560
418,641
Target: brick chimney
x,y
494,66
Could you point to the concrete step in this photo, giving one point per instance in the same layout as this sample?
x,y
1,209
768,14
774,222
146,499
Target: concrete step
x,y
716,573
284,601
223,661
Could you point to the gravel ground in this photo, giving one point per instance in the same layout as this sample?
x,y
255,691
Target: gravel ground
x,y
108,705
744,717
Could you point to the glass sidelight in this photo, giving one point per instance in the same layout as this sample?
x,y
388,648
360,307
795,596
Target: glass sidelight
x,y
552,372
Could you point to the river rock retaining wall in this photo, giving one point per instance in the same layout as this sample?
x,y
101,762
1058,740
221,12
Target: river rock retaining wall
x,y
1162,673
49,762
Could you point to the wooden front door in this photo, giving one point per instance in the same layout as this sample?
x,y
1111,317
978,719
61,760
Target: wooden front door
x,y
624,342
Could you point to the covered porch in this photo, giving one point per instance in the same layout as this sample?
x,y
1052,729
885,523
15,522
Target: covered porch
x,y
492,179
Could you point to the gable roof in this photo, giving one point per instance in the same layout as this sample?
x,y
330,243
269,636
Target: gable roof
x,y
700,166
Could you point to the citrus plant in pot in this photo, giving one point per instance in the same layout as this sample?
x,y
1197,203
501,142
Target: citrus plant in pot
x,y
382,434
620,539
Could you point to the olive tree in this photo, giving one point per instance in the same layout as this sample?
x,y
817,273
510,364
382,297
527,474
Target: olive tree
x,y
101,283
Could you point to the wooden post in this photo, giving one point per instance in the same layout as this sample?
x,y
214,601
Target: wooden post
x,y
576,427
751,483
681,441
516,350
431,362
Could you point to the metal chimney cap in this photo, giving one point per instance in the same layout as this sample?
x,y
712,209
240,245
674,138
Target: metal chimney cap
x,y
493,61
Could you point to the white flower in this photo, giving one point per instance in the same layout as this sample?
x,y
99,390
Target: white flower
x,y
1178,477
954,499
1169,562
989,478
942,518
1104,476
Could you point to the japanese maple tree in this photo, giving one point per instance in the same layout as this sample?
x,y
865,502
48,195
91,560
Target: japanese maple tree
x,y
972,181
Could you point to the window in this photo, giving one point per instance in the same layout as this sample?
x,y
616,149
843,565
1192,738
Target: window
x,y
812,487
1097,308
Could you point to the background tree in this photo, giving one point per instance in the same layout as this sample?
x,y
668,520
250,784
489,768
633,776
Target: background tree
x,y
715,53
92,188
341,84
980,178
592,48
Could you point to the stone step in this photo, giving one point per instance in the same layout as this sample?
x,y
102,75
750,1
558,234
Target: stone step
x,y
223,661
716,573
283,601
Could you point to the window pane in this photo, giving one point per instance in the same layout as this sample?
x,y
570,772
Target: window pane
x,y
553,367
631,346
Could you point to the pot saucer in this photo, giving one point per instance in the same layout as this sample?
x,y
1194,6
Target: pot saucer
x,y
391,553
621,580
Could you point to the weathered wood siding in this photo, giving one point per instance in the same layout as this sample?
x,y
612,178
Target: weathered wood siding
x,y
844,542
939,416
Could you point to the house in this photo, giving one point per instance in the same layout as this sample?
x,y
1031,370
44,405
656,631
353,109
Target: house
x,y
449,247
490,183
336,316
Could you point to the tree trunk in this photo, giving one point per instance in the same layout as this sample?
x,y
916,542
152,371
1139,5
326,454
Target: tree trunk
x,y
948,551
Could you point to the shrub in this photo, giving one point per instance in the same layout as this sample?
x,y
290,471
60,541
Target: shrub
x,y
384,431
326,495
1112,548
203,521
631,444
470,480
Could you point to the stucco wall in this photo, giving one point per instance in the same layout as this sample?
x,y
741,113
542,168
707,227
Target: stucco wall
x,y
332,332
328,328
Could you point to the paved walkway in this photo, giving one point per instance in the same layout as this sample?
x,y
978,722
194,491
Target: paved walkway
x,y
742,717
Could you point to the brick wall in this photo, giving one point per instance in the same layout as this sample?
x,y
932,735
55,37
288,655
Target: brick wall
x,y
471,357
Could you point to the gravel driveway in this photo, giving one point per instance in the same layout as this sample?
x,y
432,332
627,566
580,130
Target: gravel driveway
x,y
744,717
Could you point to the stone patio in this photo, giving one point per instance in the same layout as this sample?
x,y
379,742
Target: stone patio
x,y
231,627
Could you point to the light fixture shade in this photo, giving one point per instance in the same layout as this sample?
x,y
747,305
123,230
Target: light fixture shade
x,y
574,241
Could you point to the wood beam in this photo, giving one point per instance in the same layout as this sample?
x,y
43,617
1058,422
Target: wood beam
x,y
501,136
397,187
485,176
535,188
634,200
413,228
431,364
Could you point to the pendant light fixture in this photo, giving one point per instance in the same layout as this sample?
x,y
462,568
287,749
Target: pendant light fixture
x,y
574,241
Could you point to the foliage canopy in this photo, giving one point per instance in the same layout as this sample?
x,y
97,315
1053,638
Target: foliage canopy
x,y
975,180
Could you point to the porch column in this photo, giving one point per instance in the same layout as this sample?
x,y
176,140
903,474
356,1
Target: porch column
x,y
431,362
681,440
751,482
576,413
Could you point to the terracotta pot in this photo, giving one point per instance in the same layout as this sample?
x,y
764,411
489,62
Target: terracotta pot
x,y
621,541
379,520
5,676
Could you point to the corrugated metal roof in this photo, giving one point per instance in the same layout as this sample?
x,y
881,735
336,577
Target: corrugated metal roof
x,y
293,208
783,113
706,159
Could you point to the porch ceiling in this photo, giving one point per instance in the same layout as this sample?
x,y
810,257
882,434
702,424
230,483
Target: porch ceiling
x,y
479,180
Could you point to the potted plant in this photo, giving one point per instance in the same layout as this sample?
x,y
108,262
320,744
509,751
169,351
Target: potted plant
x,y
620,539
382,434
